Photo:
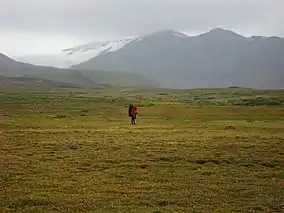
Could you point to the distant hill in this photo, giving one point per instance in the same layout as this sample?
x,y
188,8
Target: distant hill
x,y
13,68
218,58
29,81
28,84
92,78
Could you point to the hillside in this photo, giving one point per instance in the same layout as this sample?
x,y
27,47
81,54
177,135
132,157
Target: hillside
x,y
90,77
12,68
218,58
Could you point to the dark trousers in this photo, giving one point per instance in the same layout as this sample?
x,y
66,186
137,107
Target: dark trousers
x,y
133,119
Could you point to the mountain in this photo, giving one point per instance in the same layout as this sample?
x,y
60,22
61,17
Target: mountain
x,y
218,58
73,56
13,68
85,52
5,61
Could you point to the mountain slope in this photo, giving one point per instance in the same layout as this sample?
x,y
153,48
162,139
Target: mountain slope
x,y
218,58
23,84
91,78
12,68
5,61
85,52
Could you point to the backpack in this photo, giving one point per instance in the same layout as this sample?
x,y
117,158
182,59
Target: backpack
x,y
130,109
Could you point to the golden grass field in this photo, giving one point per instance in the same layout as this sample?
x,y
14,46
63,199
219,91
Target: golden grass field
x,y
81,154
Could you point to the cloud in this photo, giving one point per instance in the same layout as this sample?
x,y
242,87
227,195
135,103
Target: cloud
x,y
85,19
125,17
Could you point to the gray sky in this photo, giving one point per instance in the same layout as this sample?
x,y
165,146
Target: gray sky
x,y
46,26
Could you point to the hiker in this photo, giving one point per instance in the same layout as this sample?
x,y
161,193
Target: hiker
x,y
132,112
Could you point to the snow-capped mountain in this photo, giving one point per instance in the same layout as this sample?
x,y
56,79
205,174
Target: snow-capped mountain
x,y
85,52
79,54
75,55
217,58
99,46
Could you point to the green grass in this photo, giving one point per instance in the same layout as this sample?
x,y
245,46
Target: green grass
x,y
62,152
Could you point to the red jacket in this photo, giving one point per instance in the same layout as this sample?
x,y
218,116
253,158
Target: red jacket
x,y
134,111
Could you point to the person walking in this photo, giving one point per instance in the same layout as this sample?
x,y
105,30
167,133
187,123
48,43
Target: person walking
x,y
132,112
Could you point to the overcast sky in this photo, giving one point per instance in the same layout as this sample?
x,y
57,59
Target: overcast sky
x,y
46,26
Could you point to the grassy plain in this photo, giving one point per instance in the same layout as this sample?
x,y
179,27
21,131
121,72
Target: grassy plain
x,y
191,151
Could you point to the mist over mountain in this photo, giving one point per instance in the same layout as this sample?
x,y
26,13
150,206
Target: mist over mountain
x,y
54,60
90,78
13,68
218,58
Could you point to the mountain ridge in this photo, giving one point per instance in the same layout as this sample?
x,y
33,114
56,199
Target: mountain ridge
x,y
217,58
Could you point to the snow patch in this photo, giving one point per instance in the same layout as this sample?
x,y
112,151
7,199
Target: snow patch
x,y
180,35
99,46
85,52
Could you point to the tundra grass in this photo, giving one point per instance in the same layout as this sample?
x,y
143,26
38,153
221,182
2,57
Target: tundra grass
x,y
81,154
